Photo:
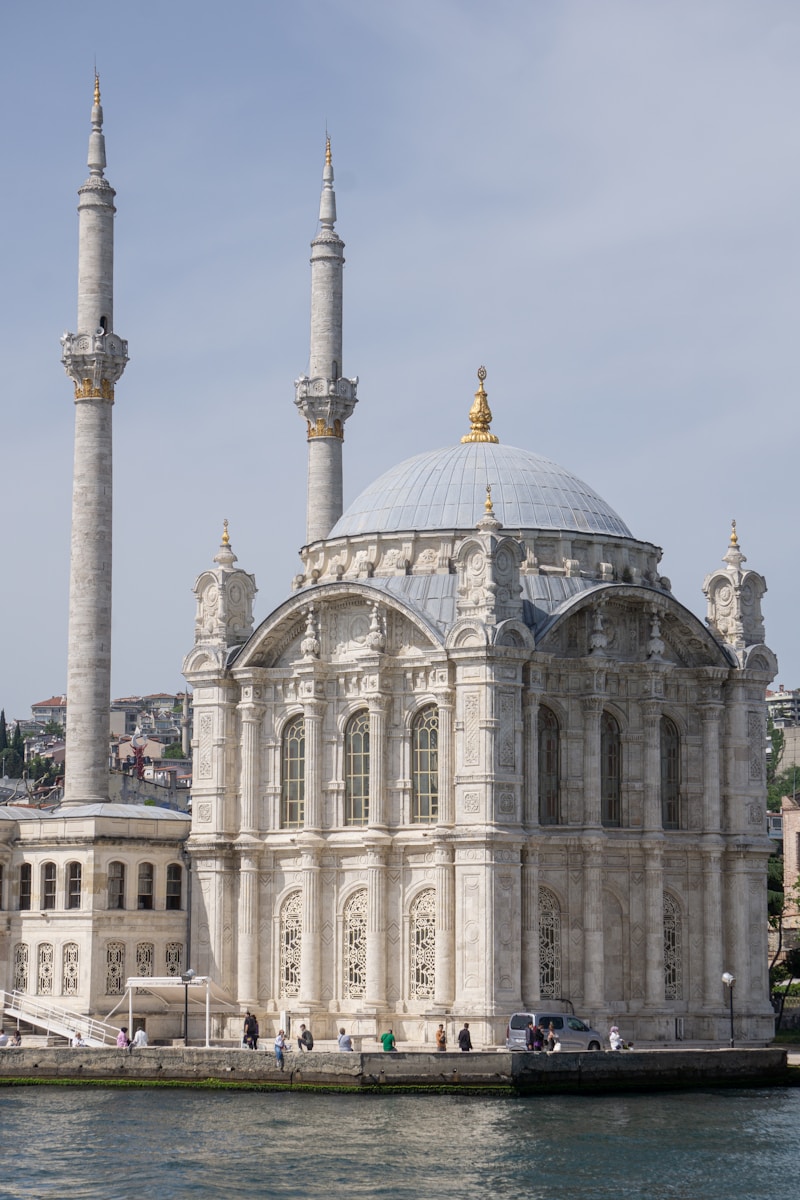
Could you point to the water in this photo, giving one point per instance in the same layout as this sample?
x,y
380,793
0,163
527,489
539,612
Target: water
x,y
74,1144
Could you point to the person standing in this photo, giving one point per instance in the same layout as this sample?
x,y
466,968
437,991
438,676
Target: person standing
x,y
306,1040
615,1038
551,1038
123,1041
464,1038
247,1031
4,1038
388,1041
345,1041
280,1046
441,1038
16,1038
533,1039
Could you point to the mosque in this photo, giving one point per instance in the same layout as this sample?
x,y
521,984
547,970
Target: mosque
x,y
480,760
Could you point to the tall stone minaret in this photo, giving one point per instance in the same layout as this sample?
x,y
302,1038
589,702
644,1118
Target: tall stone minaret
x,y
324,397
94,358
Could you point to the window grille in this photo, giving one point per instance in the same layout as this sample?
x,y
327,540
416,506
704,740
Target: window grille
x,y
290,939
145,953
44,977
673,950
293,773
70,969
423,946
355,945
21,958
174,958
115,968
425,765
549,944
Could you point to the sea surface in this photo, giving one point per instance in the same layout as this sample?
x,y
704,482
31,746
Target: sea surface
x,y
76,1144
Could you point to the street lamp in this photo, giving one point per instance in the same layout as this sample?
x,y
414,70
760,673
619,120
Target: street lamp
x,y
729,980
186,979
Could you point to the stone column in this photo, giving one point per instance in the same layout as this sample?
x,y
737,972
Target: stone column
x,y
375,992
593,950
530,803
712,927
251,712
377,762
737,912
247,928
313,712
651,715
711,768
592,712
447,799
531,983
654,923
310,942
445,926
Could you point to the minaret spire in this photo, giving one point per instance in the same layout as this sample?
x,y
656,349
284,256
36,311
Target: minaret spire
x,y
94,358
324,397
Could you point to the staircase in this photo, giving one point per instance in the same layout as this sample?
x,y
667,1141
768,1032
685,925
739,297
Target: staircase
x,y
54,1020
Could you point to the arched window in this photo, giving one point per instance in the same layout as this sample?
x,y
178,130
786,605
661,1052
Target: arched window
x,y
48,885
670,775
116,885
21,956
673,950
425,765
423,946
355,945
25,887
356,770
549,944
70,969
74,875
174,958
293,773
549,807
610,773
174,897
145,953
144,886
44,975
290,937
115,968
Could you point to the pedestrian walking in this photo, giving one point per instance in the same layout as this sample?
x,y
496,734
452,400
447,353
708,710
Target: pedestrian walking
x,y
441,1038
464,1038
280,1046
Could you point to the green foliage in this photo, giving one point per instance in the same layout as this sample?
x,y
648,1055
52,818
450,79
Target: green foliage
x,y
11,763
786,783
18,742
43,770
775,896
3,731
777,739
54,729
173,751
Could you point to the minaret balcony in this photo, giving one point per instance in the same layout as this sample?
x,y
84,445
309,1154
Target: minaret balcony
x,y
93,360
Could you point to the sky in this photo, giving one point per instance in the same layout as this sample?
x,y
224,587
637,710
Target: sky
x,y
597,199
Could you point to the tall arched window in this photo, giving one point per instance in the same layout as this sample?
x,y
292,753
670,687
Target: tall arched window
x,y
423,946
549,807
25,887
74,879
673,950
355,945
290,937
144,886
549,944
425,765
174,896
610,771
116,885
48,885
670,775
293,773
70,969
356,770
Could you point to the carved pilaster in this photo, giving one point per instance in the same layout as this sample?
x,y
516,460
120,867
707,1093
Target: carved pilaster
x,y
592,712
375,994
313,714
445,925
377,762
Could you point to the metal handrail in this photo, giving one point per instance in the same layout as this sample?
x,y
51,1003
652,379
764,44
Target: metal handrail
x,y
58,1020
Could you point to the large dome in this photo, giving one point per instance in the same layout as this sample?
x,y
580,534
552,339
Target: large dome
x,y
446,489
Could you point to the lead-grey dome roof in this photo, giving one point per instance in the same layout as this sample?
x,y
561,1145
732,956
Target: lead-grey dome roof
x,y
446,489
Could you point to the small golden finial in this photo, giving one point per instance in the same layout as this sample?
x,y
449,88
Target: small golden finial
x,y
480,415
734,534
96,88
327,149
488,501
225,535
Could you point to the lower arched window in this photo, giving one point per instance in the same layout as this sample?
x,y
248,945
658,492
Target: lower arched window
x,y
174,958
21,958
673,950
70,969
610,771
44,973
670,775
290,937
548,768
549,944
423,945
115,968
355,945
145,953
425,765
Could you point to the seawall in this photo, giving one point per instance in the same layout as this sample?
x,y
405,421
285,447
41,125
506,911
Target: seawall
x,y
642,1071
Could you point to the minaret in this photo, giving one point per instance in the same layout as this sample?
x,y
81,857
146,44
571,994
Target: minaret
x,y
94,358
324,397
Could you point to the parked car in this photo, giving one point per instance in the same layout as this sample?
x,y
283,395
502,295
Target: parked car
x,y
573,1033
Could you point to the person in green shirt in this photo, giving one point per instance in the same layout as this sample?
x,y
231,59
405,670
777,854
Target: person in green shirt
x,y
388,1041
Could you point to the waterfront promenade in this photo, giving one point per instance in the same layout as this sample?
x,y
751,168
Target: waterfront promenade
x,y
498,1071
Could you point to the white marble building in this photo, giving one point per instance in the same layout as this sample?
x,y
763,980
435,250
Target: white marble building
x,y
481,758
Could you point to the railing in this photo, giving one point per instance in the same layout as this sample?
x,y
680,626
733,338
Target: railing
x,y
61,1021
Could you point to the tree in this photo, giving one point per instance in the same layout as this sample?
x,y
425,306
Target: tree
x,y
54,729
3,731
784,784
174,751
18,742
776,740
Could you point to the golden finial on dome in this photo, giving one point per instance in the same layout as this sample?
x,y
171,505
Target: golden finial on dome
x,y
327,150
225,535
734,534
480,415
487,504
96,88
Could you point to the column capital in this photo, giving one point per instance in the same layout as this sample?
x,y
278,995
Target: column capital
x,y
592,705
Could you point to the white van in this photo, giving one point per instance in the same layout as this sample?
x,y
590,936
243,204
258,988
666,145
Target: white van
x,y
572,1033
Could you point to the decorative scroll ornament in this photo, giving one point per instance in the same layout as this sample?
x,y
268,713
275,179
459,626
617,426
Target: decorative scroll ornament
x,y
310,642
376,638
598,639
655,645
480,415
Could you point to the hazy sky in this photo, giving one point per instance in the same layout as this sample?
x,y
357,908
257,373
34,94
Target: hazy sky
x,y
599,200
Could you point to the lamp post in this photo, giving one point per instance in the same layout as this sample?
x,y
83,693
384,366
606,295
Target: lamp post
x,y
729,980
186,979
